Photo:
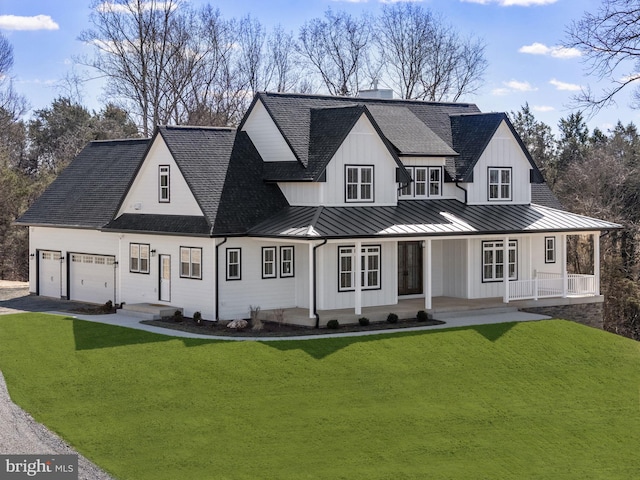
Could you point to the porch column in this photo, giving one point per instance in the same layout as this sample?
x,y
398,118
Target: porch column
x,y
358,278
426,273
505,269
312,273
596,262
565,278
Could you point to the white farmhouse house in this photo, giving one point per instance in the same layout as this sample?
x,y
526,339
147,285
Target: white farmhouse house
x,y
322,206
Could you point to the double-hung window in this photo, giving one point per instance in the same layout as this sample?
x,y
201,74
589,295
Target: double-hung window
x,y
427,182
163,184
369,267
359,183
269,262
234,270
286,262
493,261
549,249
499,183
191,262
139,258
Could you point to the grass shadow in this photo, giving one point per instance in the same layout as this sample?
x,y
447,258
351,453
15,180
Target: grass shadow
x,y
494,331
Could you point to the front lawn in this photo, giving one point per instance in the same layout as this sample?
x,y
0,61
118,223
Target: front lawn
x,y
547,400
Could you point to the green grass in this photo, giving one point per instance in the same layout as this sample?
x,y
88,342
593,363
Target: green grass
x,y
539,400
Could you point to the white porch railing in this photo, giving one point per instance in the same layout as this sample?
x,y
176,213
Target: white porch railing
x,y
546,285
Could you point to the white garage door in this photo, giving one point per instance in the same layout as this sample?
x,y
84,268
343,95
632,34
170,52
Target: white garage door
x,y
91,278
49,273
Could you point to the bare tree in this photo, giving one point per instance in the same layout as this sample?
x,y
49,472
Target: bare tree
x,y
336,48
11,102
284,59
610,43
424,58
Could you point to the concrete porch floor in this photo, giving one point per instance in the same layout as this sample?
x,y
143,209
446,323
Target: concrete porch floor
x,y
443,307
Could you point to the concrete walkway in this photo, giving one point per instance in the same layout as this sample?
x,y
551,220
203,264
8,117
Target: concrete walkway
x,y
452,322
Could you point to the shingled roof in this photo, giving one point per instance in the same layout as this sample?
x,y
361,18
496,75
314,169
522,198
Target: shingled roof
x,y
88,192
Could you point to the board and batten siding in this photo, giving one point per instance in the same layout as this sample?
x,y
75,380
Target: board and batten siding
x,y
266,136
502,151
143,196
362,146
68,240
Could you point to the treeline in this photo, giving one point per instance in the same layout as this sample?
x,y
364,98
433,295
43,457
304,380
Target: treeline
x,y
596,174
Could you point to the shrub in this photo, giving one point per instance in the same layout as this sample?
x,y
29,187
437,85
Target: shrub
x,y
333,324
197,317
177,315
422,316
254,313
392,318
364,321
108,306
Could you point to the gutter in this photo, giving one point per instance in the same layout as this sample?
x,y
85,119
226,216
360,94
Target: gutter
x,y
315,274
464,190
217,293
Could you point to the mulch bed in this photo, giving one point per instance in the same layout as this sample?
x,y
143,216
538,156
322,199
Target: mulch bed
x,y
272,329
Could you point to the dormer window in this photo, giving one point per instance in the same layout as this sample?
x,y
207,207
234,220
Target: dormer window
x,y
163,184
427,182
499,183
359,183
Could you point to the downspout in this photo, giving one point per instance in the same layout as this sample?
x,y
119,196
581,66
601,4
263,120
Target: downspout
x,y
315,274
464,190
218,279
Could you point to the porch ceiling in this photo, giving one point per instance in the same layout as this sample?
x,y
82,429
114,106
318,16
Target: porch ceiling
x,y
427,217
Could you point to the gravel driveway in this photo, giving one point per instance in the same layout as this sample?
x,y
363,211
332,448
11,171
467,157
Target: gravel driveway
x,y
20,434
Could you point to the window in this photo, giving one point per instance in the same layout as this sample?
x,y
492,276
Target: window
x,y
369,267
549,249
191,262
427,182
499,183
233,264
493,261
163,183
359,183
139,258
286,262
269,262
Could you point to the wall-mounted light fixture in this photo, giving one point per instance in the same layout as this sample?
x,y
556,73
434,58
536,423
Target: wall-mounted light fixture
x,y
32,255
153,252
422,243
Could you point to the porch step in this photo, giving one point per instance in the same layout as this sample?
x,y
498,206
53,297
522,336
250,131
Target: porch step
x,y
474,312
147,311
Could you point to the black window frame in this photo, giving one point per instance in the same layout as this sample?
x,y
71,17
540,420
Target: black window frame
x,y
282,261
274,262
139,258
239,263
552,250
191,275
359,184
499,185
162,187
495,249
362,258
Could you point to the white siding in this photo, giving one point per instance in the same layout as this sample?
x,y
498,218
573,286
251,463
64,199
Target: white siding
x,y
266,137
502,151
304,193
454,270
144,190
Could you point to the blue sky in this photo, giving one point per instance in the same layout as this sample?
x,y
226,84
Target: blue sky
x,y
522,38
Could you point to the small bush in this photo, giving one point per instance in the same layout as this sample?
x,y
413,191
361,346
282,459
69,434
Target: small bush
x,y
364,321
422,316
197,317
392,318
333,324
177,316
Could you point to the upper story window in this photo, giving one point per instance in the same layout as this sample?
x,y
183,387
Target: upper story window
x,y
139,258
359,183
427,182
163,184
499,183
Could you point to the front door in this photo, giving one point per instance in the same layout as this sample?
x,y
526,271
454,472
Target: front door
x,y
165,278
409,268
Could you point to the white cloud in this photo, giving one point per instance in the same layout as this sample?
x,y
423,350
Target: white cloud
x,y
500,92
512,3
37,22
556,51
542,108
520,86
569,87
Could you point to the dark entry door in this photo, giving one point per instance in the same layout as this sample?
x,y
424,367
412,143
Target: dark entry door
x,y
409,268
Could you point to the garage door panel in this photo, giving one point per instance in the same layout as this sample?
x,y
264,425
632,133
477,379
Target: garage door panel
x,y
49,273
91,278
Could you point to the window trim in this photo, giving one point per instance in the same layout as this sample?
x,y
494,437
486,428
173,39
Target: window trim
x,y
548,250
359,184
282,261
513,246
499,198
274,262
363,271
239,263
411,186
191,262
139,257
162,174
